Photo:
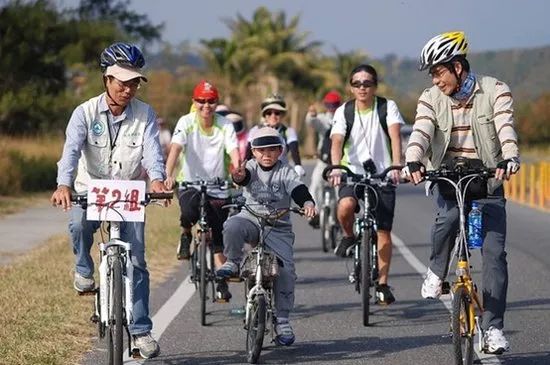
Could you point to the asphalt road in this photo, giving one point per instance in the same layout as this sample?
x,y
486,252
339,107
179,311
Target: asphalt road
x,y
327,318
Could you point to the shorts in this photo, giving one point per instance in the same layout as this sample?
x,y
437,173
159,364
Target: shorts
x,y
386,203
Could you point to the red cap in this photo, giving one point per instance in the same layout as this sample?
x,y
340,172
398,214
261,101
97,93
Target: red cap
x,y
205,90
332,97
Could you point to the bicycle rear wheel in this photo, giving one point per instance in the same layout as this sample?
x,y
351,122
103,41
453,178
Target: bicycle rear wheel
x,y
203,280
256,329
116,325
366,269
325,228
461,325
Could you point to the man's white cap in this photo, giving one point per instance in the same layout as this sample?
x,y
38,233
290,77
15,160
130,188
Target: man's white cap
x,y
124,73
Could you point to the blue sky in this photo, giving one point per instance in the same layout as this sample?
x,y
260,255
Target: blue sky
x,y
375,27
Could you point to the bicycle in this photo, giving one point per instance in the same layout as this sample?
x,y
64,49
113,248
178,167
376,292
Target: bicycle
x,y
327,218
113,305
258,271
202,258
466,304
365,251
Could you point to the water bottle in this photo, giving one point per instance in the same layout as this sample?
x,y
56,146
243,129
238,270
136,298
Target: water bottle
x,y
475,236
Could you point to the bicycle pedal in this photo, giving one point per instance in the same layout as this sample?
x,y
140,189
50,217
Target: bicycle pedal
x,y
88,292
235,279
221,300
445,287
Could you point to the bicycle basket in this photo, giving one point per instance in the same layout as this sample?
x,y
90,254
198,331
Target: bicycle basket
x,y
270,267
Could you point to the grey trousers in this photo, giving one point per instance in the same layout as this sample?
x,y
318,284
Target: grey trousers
x,y
237,230
495,267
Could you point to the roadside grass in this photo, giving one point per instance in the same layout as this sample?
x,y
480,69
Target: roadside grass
x,y
15,204
42,319
43,146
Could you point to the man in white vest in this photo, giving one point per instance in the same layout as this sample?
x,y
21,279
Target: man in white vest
x,y
467,116
111,136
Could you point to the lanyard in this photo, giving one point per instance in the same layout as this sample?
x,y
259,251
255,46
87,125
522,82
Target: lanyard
x,y
116,129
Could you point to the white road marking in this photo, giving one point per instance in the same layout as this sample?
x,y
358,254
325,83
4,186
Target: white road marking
x,y
445,299
166,314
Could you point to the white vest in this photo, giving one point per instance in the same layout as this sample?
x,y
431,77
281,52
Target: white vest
x,y
98,159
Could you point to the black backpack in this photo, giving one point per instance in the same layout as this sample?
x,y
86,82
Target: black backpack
x,y
349,114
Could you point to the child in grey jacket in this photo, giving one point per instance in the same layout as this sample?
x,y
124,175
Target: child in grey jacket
x,y
268,180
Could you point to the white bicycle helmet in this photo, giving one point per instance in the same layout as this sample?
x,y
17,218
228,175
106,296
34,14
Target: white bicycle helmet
x,y
443,48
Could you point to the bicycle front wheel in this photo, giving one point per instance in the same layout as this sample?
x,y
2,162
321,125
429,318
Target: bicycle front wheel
x,y
256,329
462,320
325,228
116,325
366,269
202,280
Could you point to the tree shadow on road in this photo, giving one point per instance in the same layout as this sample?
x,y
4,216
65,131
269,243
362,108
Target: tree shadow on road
x,y
349,350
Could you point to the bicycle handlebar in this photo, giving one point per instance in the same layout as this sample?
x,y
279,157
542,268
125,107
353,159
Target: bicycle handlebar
x,y
275,214
458,173
358,177
216,182
82,199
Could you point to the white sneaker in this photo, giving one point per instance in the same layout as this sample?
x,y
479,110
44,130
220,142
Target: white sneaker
x,y
494,341
284,333
147,346
431,287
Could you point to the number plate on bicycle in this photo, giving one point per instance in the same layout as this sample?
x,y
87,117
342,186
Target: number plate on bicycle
x,y
116,200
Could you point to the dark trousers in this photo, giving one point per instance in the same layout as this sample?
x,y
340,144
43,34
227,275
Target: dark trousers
x,y
189,200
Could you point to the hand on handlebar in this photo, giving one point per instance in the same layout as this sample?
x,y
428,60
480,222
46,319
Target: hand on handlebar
x,y
395,176
62,197
158,186
413,172
335,177
506,168
309,210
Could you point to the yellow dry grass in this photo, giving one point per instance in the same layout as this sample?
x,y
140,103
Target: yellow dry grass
x,y
42,319
44,146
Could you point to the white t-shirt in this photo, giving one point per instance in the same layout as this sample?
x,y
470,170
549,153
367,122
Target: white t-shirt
x,y
367,139
204,155
289,135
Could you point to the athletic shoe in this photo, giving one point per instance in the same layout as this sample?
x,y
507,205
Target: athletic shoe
x,y
431,287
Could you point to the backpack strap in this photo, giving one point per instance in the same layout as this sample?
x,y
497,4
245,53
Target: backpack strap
x,y
349,115
382,109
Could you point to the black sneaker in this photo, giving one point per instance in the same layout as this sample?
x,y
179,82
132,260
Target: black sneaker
x,y
384,294
222,292
342,248
184,247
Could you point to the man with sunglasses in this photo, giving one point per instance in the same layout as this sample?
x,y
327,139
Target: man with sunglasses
x,y
111,136
203,139
321,123
273,113
368,146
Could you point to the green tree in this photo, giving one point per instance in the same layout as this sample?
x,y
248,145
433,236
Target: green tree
x,y
136,27
32,38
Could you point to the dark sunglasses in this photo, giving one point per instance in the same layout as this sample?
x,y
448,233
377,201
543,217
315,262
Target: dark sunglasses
x,y
276,112
207,101
364,83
